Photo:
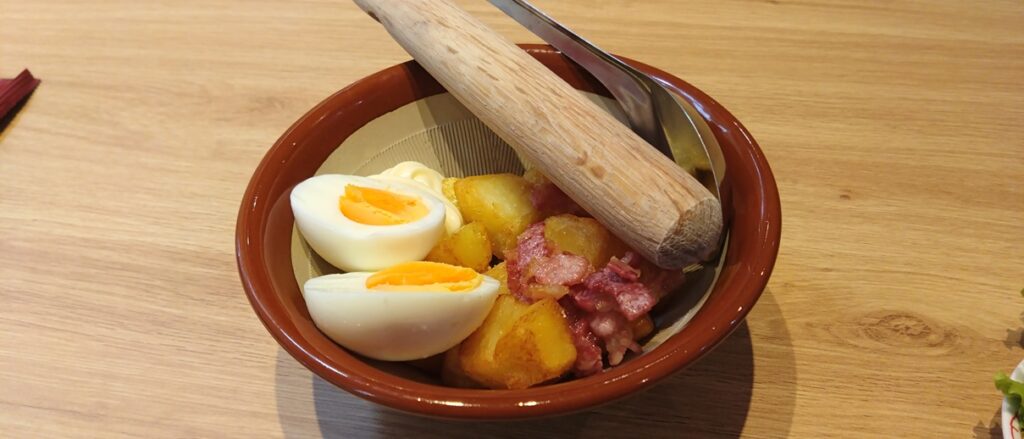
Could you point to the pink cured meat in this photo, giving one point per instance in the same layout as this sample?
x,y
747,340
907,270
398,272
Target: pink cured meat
x,y
533,262
619,282
662,282
547,197
600,304
588,352
530,245
592,300
622,268
561,269
616,333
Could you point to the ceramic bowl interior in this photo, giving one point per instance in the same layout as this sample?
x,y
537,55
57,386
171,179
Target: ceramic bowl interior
x,y
402,114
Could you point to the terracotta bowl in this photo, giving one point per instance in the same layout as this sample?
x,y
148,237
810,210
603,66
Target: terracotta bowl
x,y
401,113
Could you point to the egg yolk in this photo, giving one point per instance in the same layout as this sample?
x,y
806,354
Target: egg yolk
x,y
424,276
376,207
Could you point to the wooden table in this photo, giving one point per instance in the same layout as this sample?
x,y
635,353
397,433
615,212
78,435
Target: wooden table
x,y
894,129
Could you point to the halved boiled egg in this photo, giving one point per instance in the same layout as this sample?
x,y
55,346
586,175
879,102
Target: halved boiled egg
x,y
406,312
364,224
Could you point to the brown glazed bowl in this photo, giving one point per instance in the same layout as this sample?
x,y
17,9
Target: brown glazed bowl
x,y
267,250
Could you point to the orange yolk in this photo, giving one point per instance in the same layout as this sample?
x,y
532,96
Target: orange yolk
x,y
376,207
424,276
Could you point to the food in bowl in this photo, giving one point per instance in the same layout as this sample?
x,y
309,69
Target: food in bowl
x,y
355,131
521,288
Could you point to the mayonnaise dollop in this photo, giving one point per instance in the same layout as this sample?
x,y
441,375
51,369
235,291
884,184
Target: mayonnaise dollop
x,y
429,179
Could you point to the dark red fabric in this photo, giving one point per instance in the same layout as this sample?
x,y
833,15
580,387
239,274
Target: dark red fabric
x,y
13,91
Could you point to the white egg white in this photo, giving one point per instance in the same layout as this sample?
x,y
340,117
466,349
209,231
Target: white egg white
x,y
395,326
352,246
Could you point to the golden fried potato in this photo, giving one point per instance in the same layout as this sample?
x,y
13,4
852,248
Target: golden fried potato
x,y
501,202
540,291
582,236
518,345
476,354
538,348
452,373
642,327
448,189
535,177
500,273
468,247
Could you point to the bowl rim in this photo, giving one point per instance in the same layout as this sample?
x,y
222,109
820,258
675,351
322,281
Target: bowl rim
x,y
378,386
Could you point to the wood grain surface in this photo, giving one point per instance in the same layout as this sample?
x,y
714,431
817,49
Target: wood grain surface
x,y
894,130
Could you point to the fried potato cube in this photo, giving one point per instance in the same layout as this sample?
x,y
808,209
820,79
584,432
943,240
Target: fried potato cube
x,y
535,177
582,236
448,189
501,202
476,353
452,373
540,291
518,345
500,273
468,247
642,327
538,348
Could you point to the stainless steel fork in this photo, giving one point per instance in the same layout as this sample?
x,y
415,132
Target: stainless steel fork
x,y
667,122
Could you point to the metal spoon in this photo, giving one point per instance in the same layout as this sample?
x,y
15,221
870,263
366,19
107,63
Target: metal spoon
x,y
667,122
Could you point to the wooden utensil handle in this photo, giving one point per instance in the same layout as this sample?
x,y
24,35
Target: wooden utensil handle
x,y
639,194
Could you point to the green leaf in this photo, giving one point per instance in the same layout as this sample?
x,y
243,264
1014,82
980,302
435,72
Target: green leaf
x,y
1013,390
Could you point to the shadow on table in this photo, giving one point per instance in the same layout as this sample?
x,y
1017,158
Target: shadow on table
x,y
710,399
993,429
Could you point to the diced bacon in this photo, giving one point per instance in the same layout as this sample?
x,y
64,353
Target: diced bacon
x,y
592,300
662,282
634,300
561,269
588,352
529,245
547,197
605,324
616,333
533,269
630,258
623,269
632,297
599,305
